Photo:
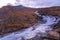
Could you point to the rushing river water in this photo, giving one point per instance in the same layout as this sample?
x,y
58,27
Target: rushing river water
x,y
32,31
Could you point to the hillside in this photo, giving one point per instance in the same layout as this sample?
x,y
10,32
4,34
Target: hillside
x,y
13,18
16,18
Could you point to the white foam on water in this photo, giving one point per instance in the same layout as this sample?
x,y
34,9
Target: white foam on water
x,y
33,30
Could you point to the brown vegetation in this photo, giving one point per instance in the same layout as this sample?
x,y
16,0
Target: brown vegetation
x,y
13,19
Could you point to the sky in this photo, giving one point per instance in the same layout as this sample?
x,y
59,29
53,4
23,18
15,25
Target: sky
x,y
31,3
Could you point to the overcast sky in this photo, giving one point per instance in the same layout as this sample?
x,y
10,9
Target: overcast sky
x,y
31,3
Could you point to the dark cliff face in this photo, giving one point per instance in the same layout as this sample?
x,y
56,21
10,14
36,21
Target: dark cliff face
x,y
13,18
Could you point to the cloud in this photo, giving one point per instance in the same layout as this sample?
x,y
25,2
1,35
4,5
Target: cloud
x,y
31,3
40,3
6,2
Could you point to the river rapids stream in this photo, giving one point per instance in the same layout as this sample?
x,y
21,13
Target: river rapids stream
x,y
37,29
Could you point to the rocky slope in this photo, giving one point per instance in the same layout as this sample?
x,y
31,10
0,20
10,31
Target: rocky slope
x,y
16,18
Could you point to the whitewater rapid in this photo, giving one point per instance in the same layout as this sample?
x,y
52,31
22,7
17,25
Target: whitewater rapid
x,y
34,30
